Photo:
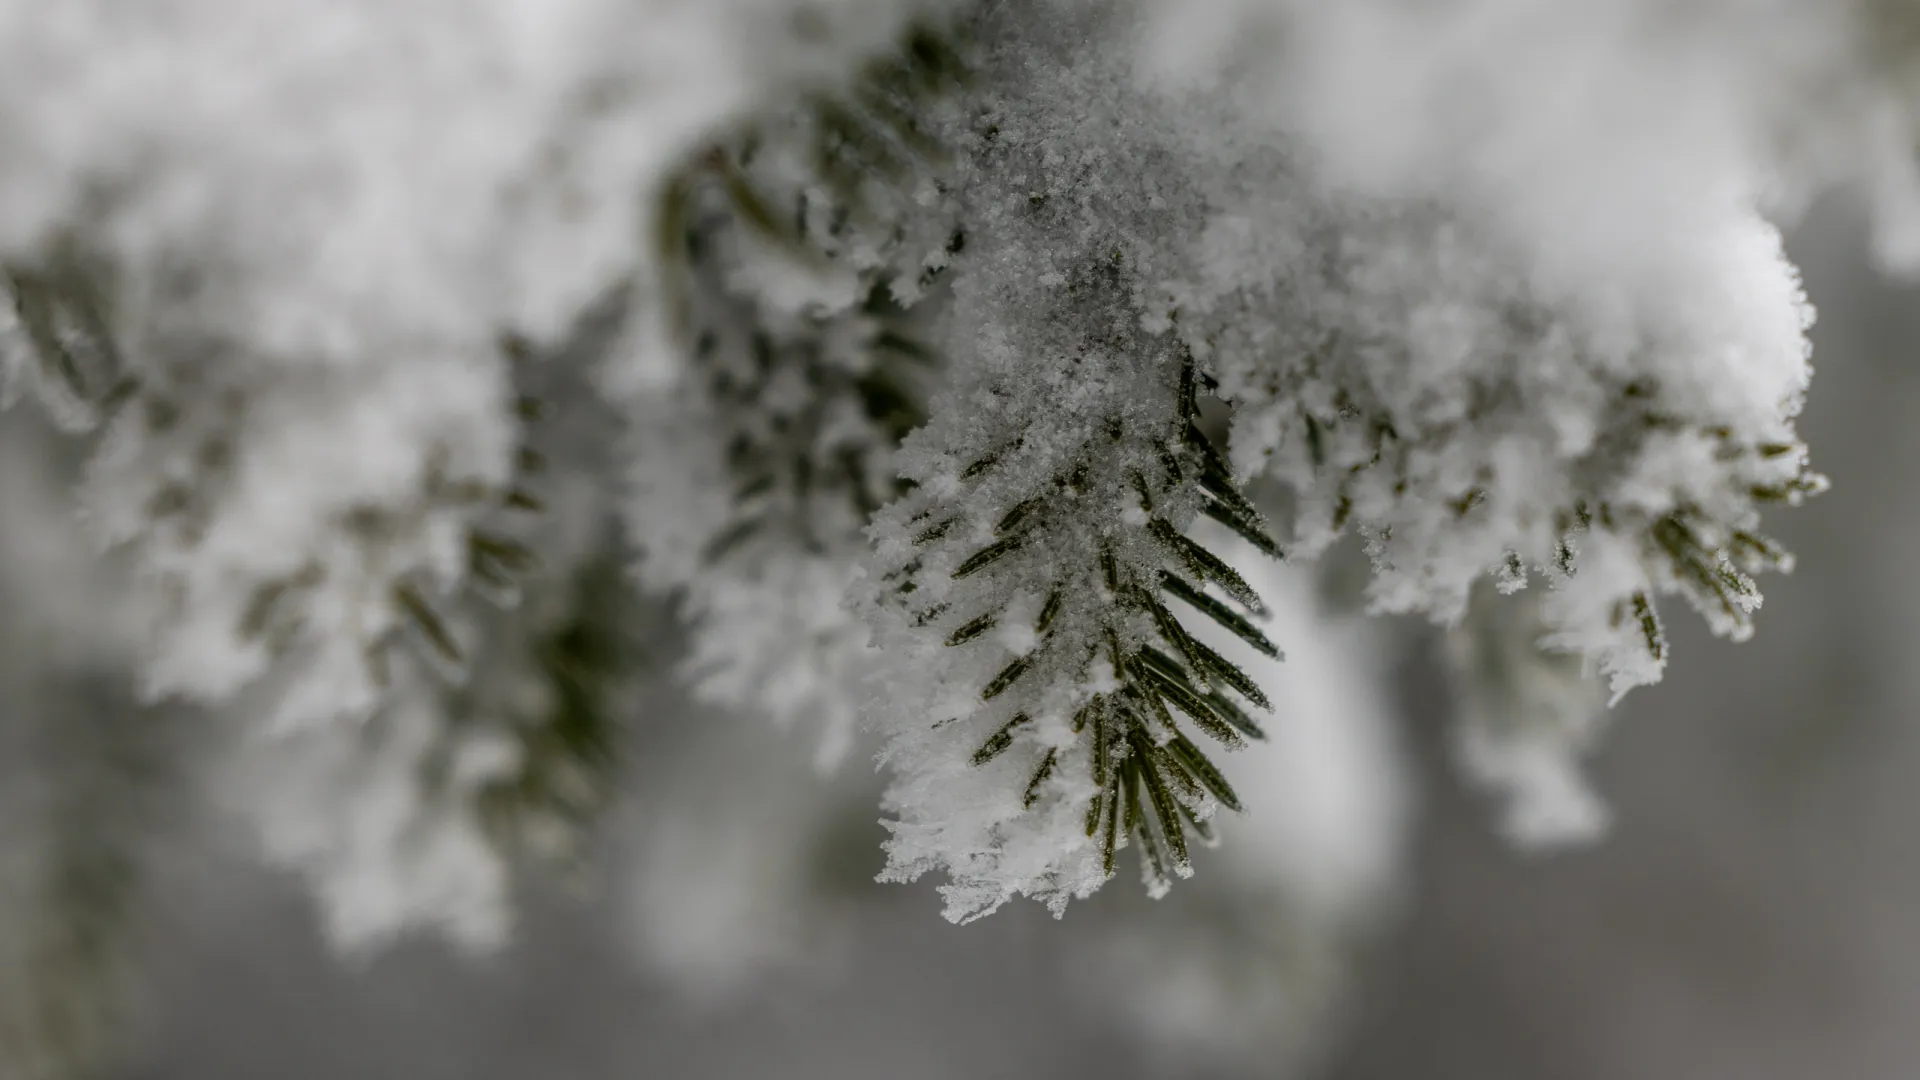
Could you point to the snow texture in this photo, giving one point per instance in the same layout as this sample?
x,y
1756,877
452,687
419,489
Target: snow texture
x,y
1496,285
1509,322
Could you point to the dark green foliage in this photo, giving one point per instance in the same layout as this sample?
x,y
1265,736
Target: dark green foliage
x,y
971,630
1219,612
799,471
999,742
1705,574
574,635
1710,558
432,629
1153,782
1005,680
568,753
62,306
497,564
1708,564
874,131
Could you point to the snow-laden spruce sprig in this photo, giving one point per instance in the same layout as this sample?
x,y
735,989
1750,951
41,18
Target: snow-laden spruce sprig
x,y
1468,422
423,815
183,474
1050,705
420,816
802,250
1044,703
493,743
363,652
556,697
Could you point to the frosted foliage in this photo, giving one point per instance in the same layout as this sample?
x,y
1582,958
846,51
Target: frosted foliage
x,y
1328,830
775,445
415,815
1493,354
1586,252
1547,368
383,853
22,374
1617,441
283,518
941,336
267,254
373,176
1302,878
1014,583
305,229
